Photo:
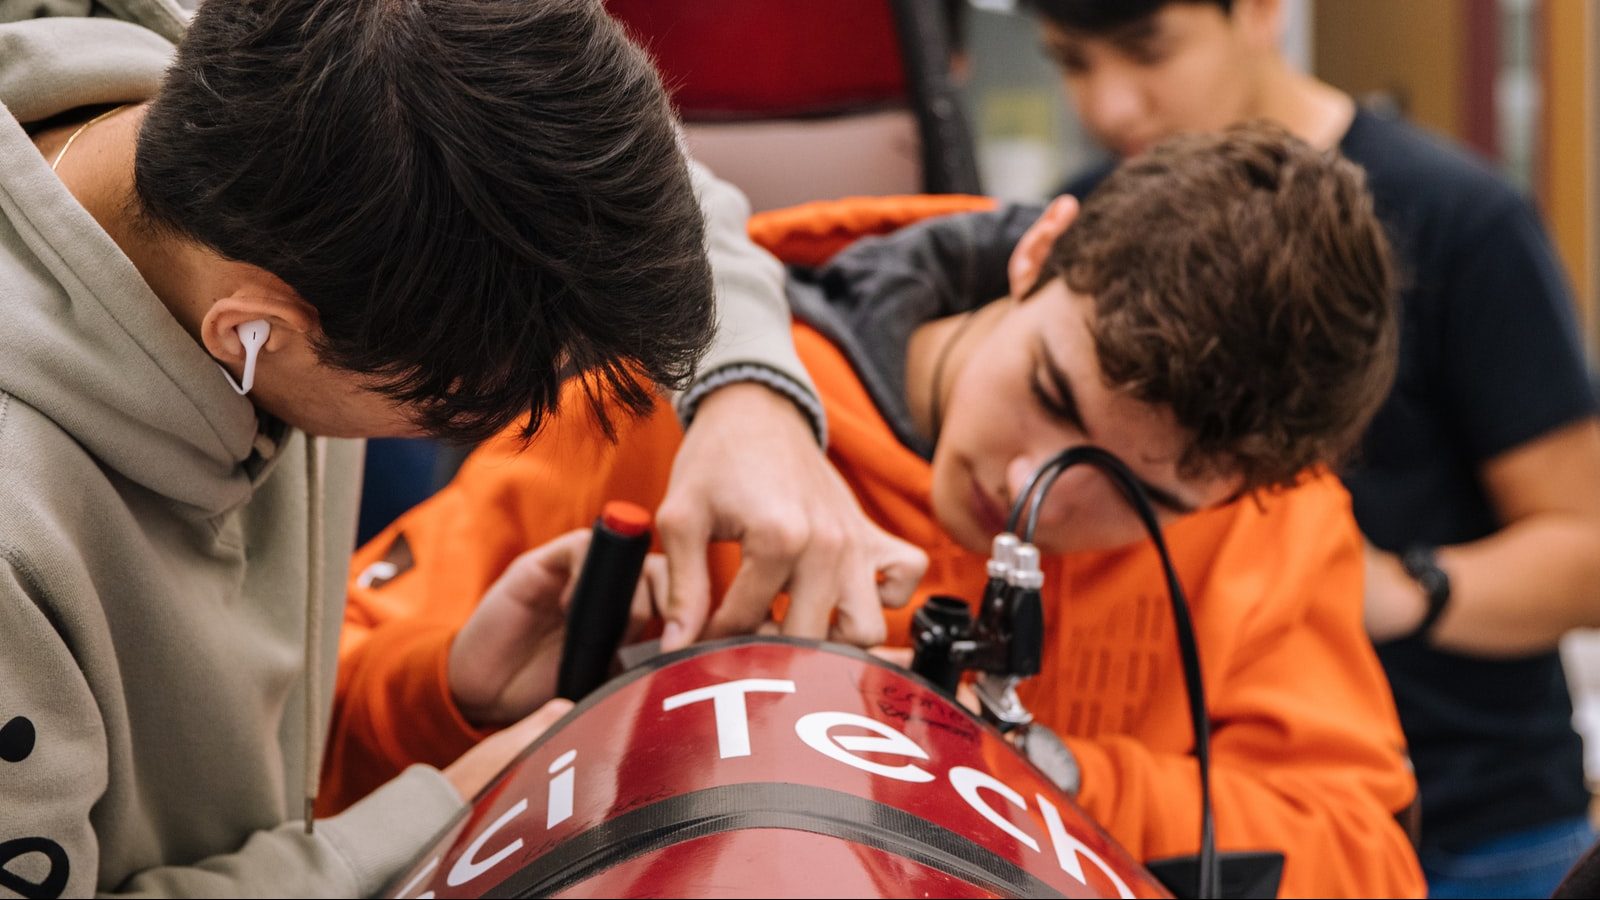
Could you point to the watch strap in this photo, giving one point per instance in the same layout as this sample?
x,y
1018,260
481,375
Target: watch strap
x,y
1422,564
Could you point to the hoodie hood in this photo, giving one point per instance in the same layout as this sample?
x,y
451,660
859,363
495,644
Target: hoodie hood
x,y
86,342
61,59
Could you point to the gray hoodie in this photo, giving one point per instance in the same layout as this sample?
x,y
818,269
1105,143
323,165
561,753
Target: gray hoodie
x,y
165,655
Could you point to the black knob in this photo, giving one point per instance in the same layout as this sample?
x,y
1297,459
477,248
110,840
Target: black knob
x,y
935,628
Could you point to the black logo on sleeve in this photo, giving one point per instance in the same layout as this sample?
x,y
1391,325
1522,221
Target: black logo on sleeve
x,y
17,739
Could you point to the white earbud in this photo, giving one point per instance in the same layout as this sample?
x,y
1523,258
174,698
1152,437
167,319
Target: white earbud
x,y
253,335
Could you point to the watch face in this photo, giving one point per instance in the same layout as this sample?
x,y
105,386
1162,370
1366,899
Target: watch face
x,y
1419,563
1434,581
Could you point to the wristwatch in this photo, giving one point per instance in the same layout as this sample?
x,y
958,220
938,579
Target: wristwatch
x,y
1423,567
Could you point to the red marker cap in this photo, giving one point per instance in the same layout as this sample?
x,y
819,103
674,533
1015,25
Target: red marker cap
x,y
624,518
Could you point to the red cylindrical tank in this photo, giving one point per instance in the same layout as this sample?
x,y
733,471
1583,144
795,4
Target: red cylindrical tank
x,y
769,768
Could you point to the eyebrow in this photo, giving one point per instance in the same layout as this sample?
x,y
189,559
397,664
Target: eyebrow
x,y
1136,34
1067,408
1064,404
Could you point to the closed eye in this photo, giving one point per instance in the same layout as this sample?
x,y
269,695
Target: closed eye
x,y
1053,389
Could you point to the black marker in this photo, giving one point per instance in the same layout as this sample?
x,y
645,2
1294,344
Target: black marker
x,y
598,616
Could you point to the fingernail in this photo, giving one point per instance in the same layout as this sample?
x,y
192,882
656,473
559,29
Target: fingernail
x,y
671,637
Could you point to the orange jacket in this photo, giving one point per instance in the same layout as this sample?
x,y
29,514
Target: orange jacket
x,y
1308,756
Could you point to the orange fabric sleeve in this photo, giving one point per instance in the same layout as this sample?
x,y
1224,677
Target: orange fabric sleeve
x,y
1307,756
811,233
392,703
402,713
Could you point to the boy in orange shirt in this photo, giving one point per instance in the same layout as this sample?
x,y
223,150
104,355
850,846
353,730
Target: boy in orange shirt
x,y
1219,317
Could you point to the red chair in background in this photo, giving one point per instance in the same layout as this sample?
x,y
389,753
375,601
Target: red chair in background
x,y
797,100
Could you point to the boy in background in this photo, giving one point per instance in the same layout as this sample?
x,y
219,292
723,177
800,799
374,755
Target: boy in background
x,y
1477,485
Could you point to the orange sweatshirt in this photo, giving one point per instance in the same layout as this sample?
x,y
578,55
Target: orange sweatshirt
x,y
1307,754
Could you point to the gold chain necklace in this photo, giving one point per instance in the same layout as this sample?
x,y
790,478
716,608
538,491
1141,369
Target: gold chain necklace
x,y
81,129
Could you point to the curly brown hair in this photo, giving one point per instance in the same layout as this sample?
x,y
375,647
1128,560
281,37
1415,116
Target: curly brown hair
x,y
1242,279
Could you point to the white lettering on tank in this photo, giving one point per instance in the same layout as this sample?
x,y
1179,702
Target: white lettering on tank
x,y
1069,849
815,729
466,868
559,807
727,702
968,782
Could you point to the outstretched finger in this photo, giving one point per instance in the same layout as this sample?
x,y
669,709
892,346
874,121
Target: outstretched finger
x,y
650,597
684,537
859,617
813,594
748,602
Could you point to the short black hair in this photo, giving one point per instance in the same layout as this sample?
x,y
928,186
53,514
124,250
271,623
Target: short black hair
x,y
1105,16
477,196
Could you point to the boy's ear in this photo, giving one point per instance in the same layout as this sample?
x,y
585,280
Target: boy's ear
x,y
251,300
1028,259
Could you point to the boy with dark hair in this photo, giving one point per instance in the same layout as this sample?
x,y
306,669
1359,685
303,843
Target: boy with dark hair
x,y
442,214
379,219
1478,484
1219,316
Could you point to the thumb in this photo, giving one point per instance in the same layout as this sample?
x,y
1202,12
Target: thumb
x,y
530,727
479,767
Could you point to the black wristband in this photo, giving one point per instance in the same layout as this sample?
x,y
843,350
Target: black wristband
x,y
1423,567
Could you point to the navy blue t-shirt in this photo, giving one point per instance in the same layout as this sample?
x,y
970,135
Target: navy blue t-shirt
x,y
1490,359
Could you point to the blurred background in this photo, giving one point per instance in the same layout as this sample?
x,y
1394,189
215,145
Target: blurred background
x,y
1513,79
798,101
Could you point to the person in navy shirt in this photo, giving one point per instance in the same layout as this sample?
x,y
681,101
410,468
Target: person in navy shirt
x,y
1477,485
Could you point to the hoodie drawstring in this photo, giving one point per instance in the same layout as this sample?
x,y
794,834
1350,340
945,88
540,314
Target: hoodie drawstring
x,y
313,666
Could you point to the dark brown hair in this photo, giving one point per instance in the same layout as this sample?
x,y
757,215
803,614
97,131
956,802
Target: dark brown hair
x,y
1243,280
1100,17
475,195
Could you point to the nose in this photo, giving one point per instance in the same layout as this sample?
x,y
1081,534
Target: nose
x,y
1111,104
1017,474
1064,492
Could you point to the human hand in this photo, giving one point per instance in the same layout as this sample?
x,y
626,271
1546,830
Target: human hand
x,y
474,769
503,663
1395,603
749,470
